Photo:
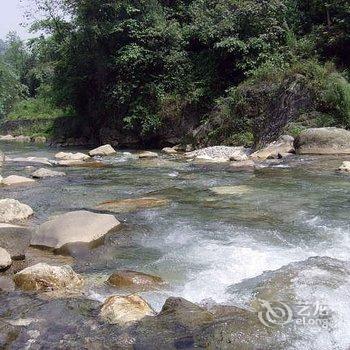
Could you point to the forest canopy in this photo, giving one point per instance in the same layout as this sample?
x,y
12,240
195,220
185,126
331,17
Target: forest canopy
x,y
161,70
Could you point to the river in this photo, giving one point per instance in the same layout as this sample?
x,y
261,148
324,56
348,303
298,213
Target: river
x,y
212,248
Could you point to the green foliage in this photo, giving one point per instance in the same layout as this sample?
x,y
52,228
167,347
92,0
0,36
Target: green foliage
x,y
147,65
35,108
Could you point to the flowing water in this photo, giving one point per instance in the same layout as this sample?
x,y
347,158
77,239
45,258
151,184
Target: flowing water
x,y
210,247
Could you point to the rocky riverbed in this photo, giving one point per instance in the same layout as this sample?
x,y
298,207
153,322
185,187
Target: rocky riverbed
x,y
164,250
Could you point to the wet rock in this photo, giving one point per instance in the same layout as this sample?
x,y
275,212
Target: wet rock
x,y
74,227
123,310
13,210
323,141
22,138
33,160
127,279
133,204
147,155
179,322
45,173
345,167
275,150
244,165
15,180
15,239
223,153
5,259
105,150
44,277
231,190
169,150
72,156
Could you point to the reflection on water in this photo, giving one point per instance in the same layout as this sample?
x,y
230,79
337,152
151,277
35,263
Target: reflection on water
x,y
203,243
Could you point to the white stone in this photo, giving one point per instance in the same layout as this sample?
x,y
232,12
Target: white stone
x,y
5,259
11,210
72,156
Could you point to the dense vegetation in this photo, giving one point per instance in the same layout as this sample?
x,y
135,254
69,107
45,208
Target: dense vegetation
x,y
209,71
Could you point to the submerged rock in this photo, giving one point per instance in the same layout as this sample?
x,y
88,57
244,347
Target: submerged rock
x,y
231,190
278,149
123,310
127,279
132,204
44,173
72,156
12,210
15,180
147,155
105,150
245,165
5,259
44,277
74,227
345,167
323,141
15,239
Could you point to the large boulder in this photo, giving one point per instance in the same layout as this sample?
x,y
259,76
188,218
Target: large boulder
x,y
219,153
44,277
133,204
72,156
15,239
15,180
105,150
73,227
278,149
123,310
45,173
13,210
5,259
323,141
345,167
127,279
